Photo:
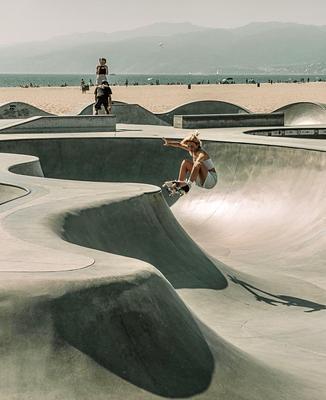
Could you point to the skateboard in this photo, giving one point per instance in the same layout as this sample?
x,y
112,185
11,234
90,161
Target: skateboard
x,y
175,190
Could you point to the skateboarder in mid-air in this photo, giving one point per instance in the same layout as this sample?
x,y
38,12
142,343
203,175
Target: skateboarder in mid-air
x,y
103,97
200,169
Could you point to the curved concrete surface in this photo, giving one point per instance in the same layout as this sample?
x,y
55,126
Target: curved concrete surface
x,y
303,113
109,324
230,305
9,192
59,124
202,107
17,109
128,114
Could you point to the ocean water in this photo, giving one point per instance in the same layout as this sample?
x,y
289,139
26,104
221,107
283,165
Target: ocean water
x,y
12,80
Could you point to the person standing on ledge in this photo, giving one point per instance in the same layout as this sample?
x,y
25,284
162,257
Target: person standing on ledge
x,y
103,94
102,71
200,170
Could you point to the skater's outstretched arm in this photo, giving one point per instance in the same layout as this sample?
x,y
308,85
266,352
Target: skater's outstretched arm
x,y
174,143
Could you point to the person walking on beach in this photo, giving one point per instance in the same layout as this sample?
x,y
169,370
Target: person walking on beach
x,y
83,86
103,94
200,170
102,70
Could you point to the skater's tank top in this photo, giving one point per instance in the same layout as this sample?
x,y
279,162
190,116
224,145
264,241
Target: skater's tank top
x,y
102,70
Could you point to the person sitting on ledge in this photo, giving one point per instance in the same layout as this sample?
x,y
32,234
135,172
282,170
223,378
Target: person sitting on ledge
x,y
103,94
200,170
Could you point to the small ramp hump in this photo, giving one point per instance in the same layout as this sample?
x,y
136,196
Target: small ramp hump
x,y
203,107
17,110
303,113
128,114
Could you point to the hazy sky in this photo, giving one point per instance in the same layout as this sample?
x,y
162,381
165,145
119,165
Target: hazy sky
x,y
25,20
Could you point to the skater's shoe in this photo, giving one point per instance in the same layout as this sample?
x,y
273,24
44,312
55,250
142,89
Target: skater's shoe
x,y
185,188
176,188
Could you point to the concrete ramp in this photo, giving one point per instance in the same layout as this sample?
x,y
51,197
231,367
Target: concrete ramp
x,y
56,124
202,107
17,109
203,121
129,114
304,113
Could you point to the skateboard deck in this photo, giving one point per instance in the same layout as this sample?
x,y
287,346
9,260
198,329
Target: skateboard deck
x,y
173,189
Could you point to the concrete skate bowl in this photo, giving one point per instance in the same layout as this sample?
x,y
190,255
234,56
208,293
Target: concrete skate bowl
x,y
202,107
119,327
304,113
128,114
16,109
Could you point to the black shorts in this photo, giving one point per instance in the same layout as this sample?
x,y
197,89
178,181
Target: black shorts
x,y
101,101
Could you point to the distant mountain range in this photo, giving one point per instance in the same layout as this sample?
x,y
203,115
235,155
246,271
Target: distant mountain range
x,y
179,48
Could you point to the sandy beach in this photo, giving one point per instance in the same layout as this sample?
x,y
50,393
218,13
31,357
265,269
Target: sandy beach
x,y
267,98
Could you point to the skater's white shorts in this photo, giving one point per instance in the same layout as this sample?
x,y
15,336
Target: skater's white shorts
x,y
210,181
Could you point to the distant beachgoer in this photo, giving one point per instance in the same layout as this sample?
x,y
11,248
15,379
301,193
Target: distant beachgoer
x,y
83,86
91,83
199,170
102,71
103,94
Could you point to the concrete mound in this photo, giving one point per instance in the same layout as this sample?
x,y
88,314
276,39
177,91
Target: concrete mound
x,y
61,124
202,107
17,109
128,114
304,113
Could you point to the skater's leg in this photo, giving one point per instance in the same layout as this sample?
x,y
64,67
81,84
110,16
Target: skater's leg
x,y
198,171
97,106
185,168
106,106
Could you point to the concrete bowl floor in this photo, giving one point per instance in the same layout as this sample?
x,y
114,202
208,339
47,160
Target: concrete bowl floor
x,y
111,289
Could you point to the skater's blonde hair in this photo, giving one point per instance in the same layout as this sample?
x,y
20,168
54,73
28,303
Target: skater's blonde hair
x,y
192,138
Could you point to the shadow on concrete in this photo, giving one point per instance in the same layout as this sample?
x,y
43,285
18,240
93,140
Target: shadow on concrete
x,y
278,299
140,331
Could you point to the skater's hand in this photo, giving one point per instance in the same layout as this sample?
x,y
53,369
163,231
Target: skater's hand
x,y
165,142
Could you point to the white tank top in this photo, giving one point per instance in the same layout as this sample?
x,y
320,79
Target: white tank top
x,y
209,164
